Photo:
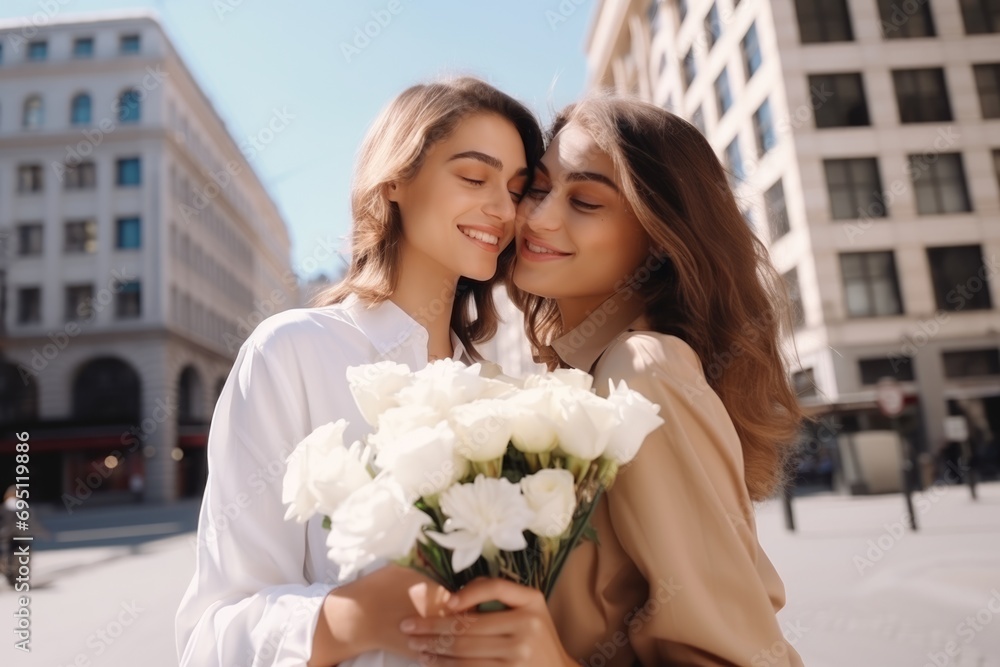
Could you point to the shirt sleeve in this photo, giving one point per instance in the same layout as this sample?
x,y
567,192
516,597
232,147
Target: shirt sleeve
x,y
249,602
682,513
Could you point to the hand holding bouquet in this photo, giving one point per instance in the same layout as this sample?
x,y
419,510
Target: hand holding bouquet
x,y
466,476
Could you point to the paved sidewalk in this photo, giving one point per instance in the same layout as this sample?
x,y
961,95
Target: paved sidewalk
x,y
864,590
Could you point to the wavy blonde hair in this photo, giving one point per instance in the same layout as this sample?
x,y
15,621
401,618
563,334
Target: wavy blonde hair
x,y
715,288
394,150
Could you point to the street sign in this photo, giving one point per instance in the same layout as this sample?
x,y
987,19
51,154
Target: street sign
x,y
889,396
956,429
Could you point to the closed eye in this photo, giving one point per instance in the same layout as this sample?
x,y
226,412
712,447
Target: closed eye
x,y
472,181
584,206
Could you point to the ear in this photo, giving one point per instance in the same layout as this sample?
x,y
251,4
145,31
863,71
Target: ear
x,y
393,191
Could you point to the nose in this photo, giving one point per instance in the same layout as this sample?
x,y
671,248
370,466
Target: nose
x,y
500,207
538,215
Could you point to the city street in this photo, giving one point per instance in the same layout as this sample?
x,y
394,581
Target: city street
x,y
863,591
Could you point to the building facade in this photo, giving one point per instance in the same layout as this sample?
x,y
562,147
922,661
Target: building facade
x,y
139,249
862,138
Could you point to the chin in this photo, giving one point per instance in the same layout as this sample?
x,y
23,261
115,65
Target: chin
x,y
481,273
532,285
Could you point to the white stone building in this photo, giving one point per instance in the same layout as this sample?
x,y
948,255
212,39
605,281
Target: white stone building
x,y
139,250
863,138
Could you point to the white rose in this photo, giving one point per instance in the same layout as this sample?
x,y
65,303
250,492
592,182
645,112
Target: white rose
x,y
532,430
375,522
482,428
583,422
321,472
374,387
637,418
444,384
551,495
424,462
397,423
567,377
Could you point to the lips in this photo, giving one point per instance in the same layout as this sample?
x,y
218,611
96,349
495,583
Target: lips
x,y
481,235
542,248
530,250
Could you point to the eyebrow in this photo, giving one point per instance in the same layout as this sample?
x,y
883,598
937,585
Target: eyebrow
x,y
482,157
582,176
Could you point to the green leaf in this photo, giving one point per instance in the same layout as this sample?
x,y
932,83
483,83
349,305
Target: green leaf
x,y
590,533
326,523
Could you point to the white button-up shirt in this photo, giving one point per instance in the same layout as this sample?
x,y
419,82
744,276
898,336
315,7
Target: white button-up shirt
x,y
259,580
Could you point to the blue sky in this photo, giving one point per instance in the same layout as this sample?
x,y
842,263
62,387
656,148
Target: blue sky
x,y
255,56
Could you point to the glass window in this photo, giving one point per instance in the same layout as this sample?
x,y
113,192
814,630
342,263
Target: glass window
x,y
980,16
83,47
939,184
777,212
129,107
723,96
988,83
129,44
698,119
80,237
901,20
804,383
80,110
791,280
29,178
690,67
81,176
971,363
29,305
713,26
129,172
750,48
838,100
855,189
128,303
734,162
655,18
958,276
34,113
921,95
29,240
876,368
79,302
129,234
38,51
763,128
996,166
871,287
823,21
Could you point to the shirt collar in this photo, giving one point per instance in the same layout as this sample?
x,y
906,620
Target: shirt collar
x,y
391,330
583,345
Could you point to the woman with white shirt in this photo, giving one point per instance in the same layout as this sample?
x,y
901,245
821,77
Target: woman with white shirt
x,y
438,178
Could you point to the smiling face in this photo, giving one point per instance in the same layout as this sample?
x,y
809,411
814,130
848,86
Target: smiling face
x,y
458,210
578,240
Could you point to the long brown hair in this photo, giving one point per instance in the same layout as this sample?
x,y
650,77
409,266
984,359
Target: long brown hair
x,y
715,287
394,150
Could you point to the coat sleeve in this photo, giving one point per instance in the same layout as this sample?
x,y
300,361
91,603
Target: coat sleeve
x,y
249,602
682,513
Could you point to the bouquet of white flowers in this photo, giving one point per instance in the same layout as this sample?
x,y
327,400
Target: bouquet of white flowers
x,y
466,476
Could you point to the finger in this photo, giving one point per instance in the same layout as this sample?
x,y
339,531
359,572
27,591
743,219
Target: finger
x,y
465,623
485,589
463,648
